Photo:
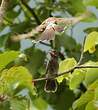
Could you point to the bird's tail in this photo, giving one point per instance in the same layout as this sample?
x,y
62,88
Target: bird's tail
x,y
50,86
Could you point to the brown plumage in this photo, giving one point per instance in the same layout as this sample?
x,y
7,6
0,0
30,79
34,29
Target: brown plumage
x,y
52,25
46,30
52,70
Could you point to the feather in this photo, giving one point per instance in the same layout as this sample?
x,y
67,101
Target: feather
x,y
48,34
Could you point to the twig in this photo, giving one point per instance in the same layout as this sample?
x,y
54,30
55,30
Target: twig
x,y
30,34
46,44
86,66
65,72
3,8
82,52
32,12
71,33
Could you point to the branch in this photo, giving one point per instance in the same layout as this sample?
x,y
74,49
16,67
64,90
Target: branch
x,y
30,34
86,66
71,33
3,8
41,42
32,12
65,72
82,53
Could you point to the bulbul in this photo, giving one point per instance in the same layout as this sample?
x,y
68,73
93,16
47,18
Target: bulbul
x,y
48,28
52,70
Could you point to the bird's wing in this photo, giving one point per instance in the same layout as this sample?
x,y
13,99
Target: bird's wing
x,y
59,28
47,34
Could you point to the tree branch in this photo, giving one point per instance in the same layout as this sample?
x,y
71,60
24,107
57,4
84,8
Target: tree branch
x,y
86,66
3,8
32,12
30,34
65,72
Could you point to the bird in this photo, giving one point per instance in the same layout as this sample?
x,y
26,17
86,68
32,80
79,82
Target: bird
x,y
51,71
47,29
51,25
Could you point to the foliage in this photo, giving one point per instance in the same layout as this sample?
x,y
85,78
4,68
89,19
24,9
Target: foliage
x,y
23,61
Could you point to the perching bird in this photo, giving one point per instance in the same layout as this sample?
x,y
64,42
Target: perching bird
x,y
48,28
52,70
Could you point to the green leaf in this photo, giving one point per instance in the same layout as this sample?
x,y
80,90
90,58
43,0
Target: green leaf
x,y
73,7
21,27
91,42
81,107
94,85
3,40
84,99
91,73
77,77
90,106
43,12
18,104
36,59
40,104
91,29
62,39
67,64
96,98
92,17
66,98
77,7
7,57
16,79
96,92
2,28
10,45
11,15
25,9
5,105
64,66
91,3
